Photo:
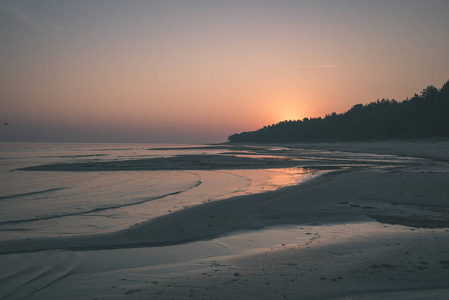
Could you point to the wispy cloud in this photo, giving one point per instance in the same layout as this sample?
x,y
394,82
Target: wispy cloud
x,y
23,13
316,66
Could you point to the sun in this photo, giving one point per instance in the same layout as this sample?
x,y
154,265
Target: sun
x,y
289,113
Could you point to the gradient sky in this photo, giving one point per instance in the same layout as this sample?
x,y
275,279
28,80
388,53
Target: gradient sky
x,y
197,71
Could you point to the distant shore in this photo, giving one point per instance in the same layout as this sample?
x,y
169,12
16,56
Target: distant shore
x,y
432,149
427,148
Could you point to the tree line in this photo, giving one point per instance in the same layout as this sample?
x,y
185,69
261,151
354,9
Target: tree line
x,y
423,116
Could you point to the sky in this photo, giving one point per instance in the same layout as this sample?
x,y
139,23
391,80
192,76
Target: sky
x,y
196,71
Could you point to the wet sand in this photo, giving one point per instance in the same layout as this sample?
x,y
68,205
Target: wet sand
x,y
357,233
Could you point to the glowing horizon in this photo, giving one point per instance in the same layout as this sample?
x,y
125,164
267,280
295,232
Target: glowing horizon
x,y
190,71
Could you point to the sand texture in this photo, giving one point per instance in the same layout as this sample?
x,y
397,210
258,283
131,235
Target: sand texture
x,y
351,233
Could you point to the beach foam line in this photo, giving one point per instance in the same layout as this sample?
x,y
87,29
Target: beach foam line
x,y
33,193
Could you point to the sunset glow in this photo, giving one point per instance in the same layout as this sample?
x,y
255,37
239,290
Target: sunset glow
x,y
195,71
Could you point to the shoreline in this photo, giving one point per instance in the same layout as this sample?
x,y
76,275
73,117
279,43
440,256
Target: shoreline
x,y
283,206
402,148
133,237
338,250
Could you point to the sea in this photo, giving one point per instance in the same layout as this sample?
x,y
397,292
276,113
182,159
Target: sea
x,y
66,203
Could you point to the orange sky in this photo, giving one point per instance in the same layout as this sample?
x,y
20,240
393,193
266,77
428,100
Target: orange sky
x,y
198,71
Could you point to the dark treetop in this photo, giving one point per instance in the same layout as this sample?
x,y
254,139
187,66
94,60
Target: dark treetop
x,y
423,116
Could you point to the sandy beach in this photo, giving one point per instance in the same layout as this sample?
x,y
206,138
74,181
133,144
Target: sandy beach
x,y
367,231
219,150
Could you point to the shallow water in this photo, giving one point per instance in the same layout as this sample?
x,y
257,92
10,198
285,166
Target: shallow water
x,y
42,204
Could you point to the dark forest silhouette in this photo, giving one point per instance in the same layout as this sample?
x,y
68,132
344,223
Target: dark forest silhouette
x,y
423,116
